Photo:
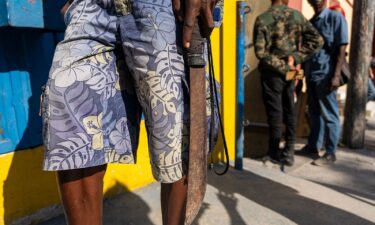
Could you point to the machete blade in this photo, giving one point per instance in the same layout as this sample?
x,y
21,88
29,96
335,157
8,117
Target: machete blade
x,y
197,170
197,167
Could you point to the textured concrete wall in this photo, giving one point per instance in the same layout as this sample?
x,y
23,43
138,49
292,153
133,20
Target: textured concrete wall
x,y
255,136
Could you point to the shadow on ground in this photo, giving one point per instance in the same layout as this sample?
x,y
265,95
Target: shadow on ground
x,y
238,198
351,175
125,209
360,196
279,198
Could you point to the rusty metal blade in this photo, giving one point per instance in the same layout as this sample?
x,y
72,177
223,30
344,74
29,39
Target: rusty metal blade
x,y
197,171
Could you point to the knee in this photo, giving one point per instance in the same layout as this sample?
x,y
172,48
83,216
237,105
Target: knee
x,y
181,182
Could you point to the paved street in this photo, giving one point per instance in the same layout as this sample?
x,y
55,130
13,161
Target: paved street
x,y
263,194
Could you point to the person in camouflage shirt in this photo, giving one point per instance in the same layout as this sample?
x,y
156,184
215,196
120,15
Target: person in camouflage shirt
x,y
283,39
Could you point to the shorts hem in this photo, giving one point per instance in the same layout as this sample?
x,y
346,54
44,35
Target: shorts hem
x,y
171,174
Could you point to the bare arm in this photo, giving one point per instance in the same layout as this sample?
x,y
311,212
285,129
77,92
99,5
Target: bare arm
x,y
340,42
335,81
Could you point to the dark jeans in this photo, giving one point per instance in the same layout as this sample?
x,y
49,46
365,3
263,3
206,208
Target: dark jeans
x,y
324,116
278,100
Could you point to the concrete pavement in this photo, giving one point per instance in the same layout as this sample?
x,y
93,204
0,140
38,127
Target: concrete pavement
x,y
264,195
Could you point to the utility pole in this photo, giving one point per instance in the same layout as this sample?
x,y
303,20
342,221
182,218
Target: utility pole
x,y
360,51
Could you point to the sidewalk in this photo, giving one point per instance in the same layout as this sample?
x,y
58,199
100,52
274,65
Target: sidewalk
x,y
264,194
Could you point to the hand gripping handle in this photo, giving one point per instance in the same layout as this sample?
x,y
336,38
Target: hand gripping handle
x,y
196,52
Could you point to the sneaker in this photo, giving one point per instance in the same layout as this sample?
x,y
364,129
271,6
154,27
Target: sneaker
x,y
325,160
287,161
287,157
308,152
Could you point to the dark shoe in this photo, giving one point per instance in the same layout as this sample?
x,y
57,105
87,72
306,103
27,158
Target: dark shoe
x,y
287,157
272,159
325,160
308,152
287,161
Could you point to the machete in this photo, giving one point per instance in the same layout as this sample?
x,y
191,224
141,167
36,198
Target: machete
x,y
197,167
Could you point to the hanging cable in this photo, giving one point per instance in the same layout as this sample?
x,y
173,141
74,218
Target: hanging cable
x,y
215,103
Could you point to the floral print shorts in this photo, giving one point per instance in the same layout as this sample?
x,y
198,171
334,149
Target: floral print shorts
x,y
107,71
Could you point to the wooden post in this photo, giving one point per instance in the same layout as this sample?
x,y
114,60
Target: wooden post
x,y
360,51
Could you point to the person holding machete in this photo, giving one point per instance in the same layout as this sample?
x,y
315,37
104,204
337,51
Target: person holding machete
x,y
120,58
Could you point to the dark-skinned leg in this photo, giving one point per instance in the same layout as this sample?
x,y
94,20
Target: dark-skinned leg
x,y
81,193
173,200
164,196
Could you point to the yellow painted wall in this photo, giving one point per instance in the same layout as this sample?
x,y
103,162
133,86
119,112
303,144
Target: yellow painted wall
x,y
25,188
224,53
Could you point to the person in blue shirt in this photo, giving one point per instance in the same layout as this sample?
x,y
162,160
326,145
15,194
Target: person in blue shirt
x,y
371,86
323,73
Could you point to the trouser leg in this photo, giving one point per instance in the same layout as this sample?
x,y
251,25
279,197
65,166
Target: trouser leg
x,y
316,135
289,120
330,110
152,51
272,86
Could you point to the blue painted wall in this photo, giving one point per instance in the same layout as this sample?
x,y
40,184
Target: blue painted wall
x,y
25,59
14,12
32,13
3,13
53,20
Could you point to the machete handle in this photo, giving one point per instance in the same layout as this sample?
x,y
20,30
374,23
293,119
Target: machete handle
x,y
196,52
